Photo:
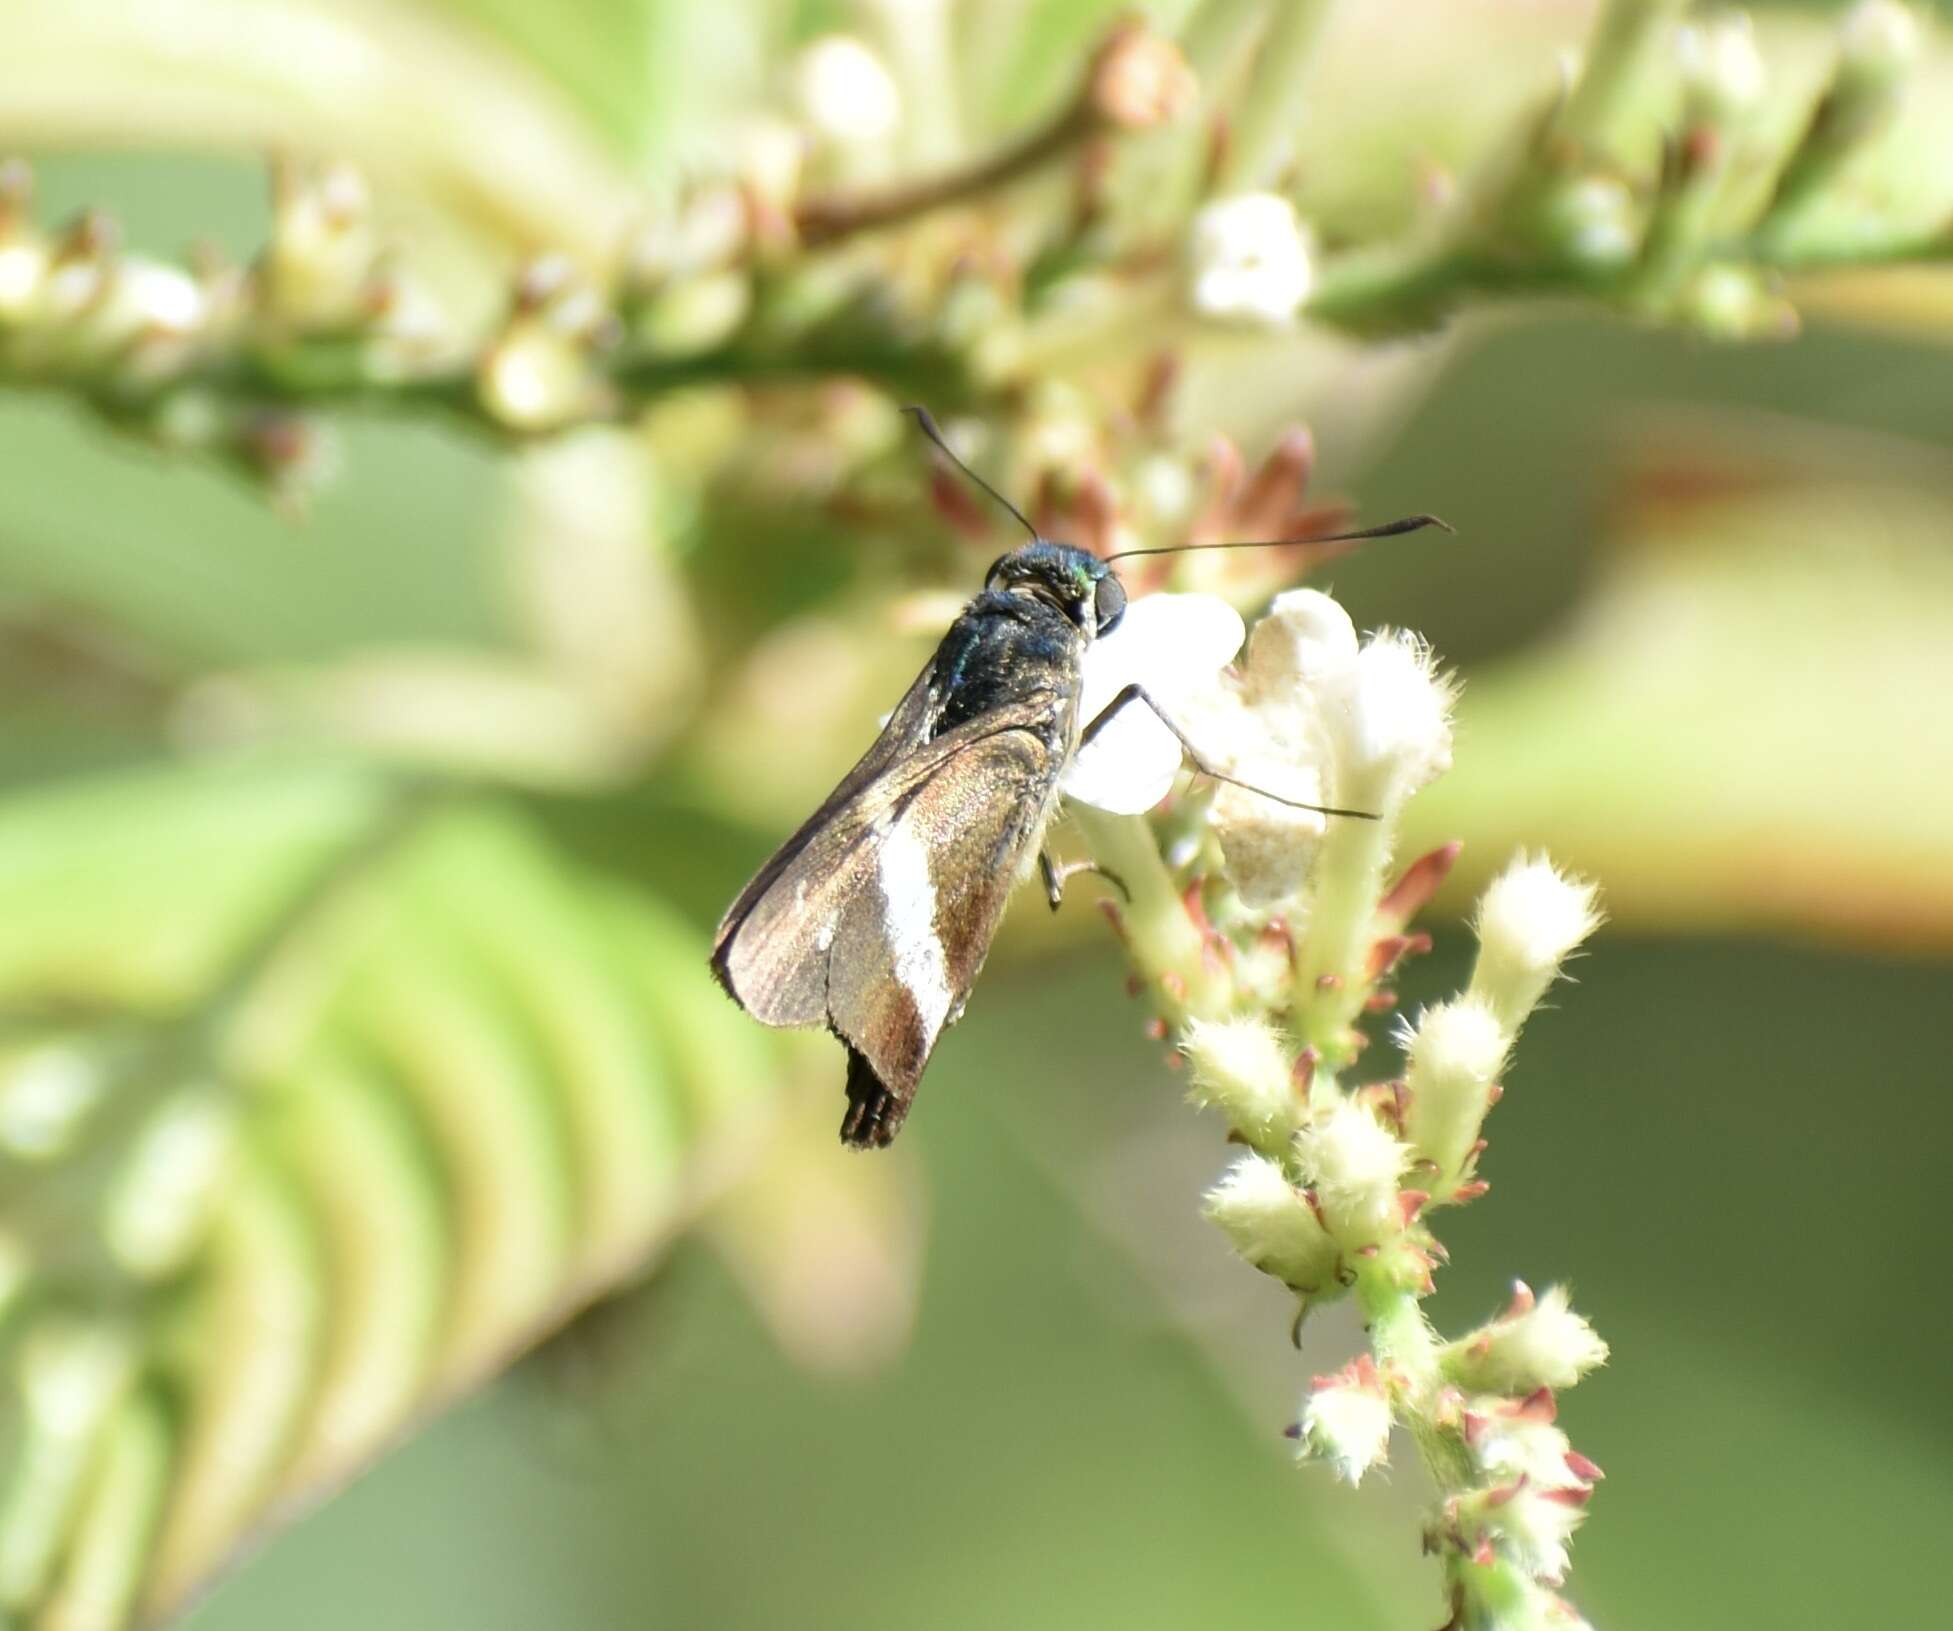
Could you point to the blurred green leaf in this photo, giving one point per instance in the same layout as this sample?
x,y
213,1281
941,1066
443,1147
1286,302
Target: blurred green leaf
x,y
462,1090
1740,729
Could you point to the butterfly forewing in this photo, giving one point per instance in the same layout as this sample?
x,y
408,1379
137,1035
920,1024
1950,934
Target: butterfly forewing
x,y
875,917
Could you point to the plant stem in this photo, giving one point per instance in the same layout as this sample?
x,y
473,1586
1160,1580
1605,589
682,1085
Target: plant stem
x,y
1162,939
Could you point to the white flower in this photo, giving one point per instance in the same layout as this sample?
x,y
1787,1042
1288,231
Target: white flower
x,y
1530,920
845,93
1347,1420
1174,645
1274,737
1249,260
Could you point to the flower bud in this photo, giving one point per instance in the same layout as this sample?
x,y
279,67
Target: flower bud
x,y
1354,1164
1455,1056
161,1202
1272,1224
1593,220
845,93
1250,261
47,1090
1398,735
1878,42
1722,73
1537,1342
1140,79
1529,921
320,260
1346,1420
1240,1068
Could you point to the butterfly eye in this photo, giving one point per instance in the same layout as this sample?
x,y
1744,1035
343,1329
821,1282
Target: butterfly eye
x,y
1109,603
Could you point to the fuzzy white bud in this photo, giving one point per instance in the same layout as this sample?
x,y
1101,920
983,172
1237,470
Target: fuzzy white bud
x,y
1537,1342
1529,921
1353,1163
1346,1420
1537,1525
1272,1224
1455,1055
845,93
1249,260
1399,721
1240,1068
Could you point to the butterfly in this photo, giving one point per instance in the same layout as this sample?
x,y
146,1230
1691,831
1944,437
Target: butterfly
x,y
875,917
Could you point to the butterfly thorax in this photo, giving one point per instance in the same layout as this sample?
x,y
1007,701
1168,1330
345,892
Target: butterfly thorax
x,y
1005,651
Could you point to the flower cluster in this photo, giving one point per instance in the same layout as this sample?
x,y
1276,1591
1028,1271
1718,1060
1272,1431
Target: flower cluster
x,y
1266,932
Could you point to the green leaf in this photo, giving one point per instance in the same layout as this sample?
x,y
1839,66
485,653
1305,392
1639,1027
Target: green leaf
x,y
464,1088
1741,730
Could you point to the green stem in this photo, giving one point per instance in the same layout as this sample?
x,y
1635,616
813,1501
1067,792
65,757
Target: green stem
x,y
1607,104
1405,1344
1268,113
1161,938
1330,980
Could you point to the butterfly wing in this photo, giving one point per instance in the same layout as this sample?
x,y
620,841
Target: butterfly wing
x,y
876,916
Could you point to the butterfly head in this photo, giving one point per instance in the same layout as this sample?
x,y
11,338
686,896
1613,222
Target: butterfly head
x,y
1075,581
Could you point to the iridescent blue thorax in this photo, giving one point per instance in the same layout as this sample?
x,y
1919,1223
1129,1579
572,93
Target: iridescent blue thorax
x,y
1025,635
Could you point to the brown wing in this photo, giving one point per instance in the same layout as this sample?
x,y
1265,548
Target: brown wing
x,y
876,917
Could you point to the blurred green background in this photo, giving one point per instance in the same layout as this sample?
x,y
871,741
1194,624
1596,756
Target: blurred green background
x,y
1703,604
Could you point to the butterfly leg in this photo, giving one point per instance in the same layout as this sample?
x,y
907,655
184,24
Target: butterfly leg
x,y
1138,693
1055,875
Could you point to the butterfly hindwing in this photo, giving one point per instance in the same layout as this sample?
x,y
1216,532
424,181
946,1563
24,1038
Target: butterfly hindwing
x,y
913,936
874,919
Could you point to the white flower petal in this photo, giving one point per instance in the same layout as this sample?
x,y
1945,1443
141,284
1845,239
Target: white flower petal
x,y
1174,645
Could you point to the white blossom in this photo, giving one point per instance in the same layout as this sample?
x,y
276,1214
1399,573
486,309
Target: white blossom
x,y
1175,646
1250,261
845,93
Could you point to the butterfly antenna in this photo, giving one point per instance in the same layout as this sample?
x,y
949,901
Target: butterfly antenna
x,y
1389,529
928,428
